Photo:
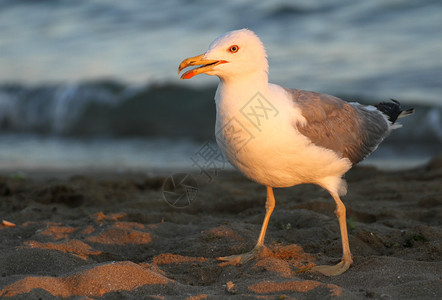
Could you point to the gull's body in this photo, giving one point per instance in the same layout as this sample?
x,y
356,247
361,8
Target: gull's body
x,y
277,155
282,137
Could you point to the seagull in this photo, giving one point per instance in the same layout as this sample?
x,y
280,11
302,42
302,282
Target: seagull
x,y
281,137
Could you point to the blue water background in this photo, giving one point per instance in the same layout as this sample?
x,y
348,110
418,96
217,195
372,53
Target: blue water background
x,y
55,110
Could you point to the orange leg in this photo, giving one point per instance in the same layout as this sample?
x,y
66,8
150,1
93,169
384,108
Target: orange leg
x,y
243,258
346,256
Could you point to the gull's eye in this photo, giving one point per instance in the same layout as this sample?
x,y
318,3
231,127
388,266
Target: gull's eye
x,y
233,49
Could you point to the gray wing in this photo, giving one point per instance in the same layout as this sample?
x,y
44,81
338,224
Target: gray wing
x,y
351,130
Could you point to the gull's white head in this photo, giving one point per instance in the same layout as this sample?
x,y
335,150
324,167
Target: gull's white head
x,y
236,53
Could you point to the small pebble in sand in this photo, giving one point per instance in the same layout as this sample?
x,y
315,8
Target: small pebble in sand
x,y
8,224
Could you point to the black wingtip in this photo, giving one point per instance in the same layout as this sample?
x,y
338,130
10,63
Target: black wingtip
x,y
393,110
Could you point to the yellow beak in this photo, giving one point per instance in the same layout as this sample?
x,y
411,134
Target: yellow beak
x,y
206,65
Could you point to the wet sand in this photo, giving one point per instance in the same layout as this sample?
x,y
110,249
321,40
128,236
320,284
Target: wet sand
x,y
113,236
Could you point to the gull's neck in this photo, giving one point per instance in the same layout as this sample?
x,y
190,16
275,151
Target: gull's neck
x,y
237,90
242,79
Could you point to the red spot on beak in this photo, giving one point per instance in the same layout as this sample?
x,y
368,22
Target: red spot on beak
x,y
188,75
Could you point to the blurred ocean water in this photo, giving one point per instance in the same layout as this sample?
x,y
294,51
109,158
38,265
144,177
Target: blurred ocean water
x,y
73,72
378,48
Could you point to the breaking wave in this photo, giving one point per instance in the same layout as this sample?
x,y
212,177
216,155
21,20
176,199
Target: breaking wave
x,y
111,109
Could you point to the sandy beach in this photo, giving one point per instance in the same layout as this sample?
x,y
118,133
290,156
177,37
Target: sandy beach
x,y
113,236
